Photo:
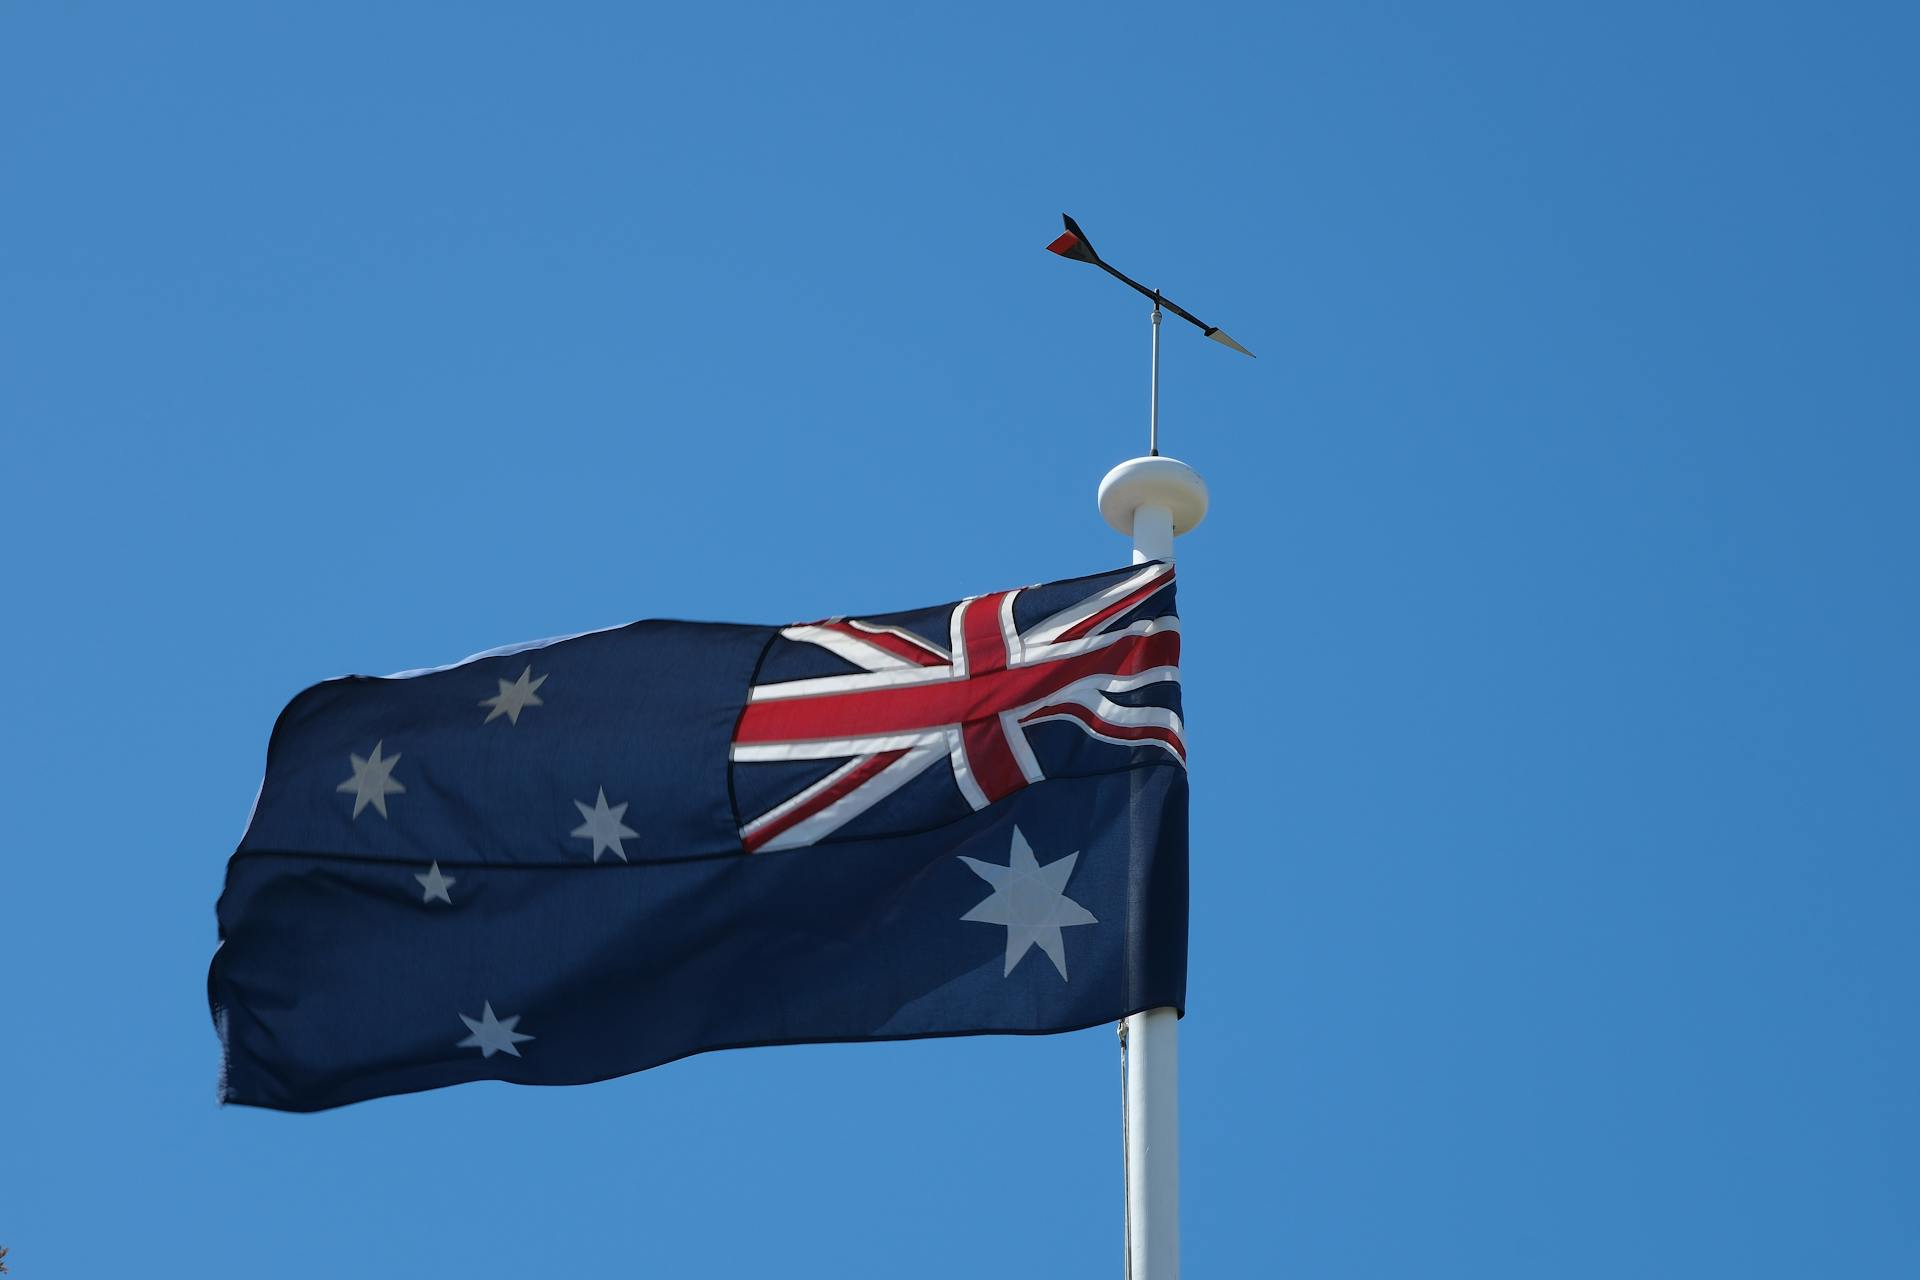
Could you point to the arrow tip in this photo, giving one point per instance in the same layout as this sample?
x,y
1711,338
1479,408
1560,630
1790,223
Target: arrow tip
x,y
1220,335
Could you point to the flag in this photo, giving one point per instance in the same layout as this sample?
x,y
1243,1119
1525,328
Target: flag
x,y
566,861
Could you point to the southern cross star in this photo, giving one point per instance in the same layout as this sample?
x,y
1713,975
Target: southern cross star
x,y
604,827
514,698
1031,901
434,885
492,1035
372,781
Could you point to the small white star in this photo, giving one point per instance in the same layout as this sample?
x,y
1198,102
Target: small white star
x,y
1031,900
604,827
434,885
372,781
492,1035
514,698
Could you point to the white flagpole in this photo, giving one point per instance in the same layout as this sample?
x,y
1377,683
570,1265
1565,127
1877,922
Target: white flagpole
x,y
1152,499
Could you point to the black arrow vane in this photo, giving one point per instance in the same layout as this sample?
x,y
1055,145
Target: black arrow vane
x,y
1073,243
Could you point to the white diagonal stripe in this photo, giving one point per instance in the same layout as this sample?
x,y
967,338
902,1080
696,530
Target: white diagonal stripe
x,y
861,653
1045,632
1021,748
859,800
963,771
918,641
1033,653
782,810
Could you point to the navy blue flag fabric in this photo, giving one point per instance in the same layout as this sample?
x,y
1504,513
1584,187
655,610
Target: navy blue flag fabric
x,y
566,861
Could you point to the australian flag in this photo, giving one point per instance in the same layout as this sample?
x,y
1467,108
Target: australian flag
x,y
570,860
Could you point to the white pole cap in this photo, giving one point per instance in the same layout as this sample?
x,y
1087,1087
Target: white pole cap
x,y
1153,482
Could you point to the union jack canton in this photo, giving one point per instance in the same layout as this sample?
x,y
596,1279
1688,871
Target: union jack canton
x,y
860,727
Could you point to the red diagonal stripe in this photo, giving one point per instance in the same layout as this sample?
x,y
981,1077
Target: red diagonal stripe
x,y
914,651
854,779
1129,601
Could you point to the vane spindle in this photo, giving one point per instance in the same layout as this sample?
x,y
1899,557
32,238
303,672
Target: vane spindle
x,y
1153,387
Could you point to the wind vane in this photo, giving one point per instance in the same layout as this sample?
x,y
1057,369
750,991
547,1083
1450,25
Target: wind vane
x,y
1073,243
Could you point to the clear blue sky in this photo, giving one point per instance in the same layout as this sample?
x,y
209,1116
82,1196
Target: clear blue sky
x,y
1550,653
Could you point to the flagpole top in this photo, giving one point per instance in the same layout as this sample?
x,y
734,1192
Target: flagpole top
x,y
1153,482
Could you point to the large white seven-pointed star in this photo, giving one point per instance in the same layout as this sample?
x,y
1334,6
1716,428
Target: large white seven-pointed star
x,y
492,1035
1031,900
604,827
434,885
372,781
514,698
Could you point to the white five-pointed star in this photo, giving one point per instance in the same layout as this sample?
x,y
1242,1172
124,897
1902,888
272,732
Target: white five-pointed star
x,y
372,781
1031,901
434,885
514,698
604,827
492,1035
